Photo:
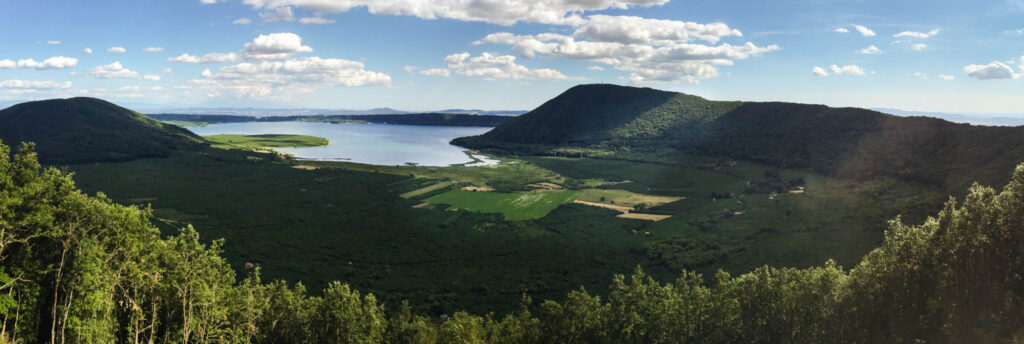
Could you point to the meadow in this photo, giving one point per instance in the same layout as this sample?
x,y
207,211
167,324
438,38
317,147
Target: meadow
x,y
237,141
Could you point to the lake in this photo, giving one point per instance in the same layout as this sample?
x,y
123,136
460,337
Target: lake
x,y
377,144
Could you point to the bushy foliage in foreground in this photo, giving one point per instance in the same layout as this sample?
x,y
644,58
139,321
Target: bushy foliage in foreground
x,y
80,269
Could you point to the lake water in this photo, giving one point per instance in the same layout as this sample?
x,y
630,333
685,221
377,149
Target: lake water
x,y
377,144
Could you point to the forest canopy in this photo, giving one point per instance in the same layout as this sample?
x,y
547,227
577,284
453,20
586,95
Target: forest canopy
x,y
76,268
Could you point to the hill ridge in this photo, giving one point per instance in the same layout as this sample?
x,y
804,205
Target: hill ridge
x,y
84,129
630,122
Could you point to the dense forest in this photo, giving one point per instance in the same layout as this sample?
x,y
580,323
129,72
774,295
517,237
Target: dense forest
x,y
81,269
76,130
646,124
440,119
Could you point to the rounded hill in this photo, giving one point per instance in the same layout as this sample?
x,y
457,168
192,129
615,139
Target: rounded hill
x,y
80,130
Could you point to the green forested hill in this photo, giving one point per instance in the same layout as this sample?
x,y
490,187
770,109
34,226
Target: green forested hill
x,y
78,130
628,122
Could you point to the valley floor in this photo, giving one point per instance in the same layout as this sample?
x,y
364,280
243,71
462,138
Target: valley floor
x,y
478,238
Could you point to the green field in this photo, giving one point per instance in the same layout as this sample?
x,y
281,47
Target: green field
x,y
623,197
229,141
515,206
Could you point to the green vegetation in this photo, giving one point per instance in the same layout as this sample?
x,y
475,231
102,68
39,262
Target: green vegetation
x,y
83,269
78,130
623,197
440,119
515,206
229,141
427,189
644,124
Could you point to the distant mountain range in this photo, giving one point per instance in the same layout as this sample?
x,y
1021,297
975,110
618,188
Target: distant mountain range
x,y
257,112
641,123
1006,120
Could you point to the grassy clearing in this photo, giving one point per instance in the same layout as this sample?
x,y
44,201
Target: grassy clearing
x,y
624,198
515,206
235,141
425,190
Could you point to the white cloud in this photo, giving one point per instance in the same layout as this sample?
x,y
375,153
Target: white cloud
x,y
275,46
864,31
595,67
871,50
946,77
317,18
916,34
837,70
496,12
87,51
113,70
991,71
206,73
638,30
242,21
118,50
919,46
648,63
919,75
57,62
53,42
281,79
492,67
167,71
153,49
151,77
410,69
280,14
35,85
436,72
208,58
841,30
8,64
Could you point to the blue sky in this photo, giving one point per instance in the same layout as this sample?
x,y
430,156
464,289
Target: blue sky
x,y
948,56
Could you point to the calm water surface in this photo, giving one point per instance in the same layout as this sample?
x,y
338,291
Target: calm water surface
x,y
378,144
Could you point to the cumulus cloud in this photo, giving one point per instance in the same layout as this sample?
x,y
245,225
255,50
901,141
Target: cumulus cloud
x,y
595,67
275,46
152,49
991,71
279,14
53,42
638,30
281,79
242,21
871,50
87,51
113,70
841,30
317,18
151,77
118,50
436,72
496,12
56,62
8,64
648,63
410,69
946,77
492,67
35,85
864,31
916,34
837,70
206,73
207,58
